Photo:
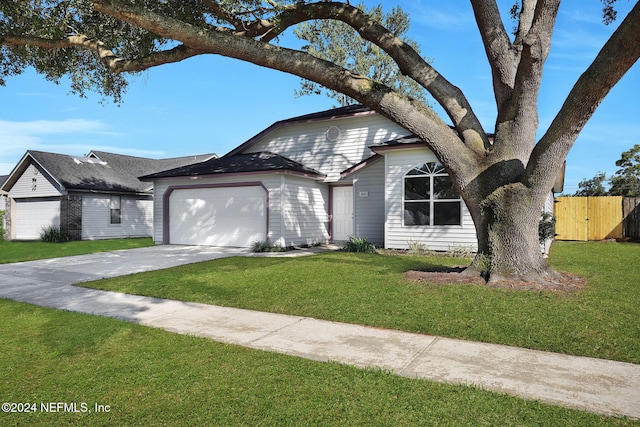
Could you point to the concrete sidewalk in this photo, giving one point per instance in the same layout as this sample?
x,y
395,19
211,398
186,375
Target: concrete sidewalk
x,y
594,385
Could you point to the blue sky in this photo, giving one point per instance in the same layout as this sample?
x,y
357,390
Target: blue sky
x,y
212,104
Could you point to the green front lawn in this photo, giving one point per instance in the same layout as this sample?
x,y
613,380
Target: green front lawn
x,y
29,251
599,321
145,376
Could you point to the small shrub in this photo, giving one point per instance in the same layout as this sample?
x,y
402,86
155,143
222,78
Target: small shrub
x,y
359,244
460,252
265,246
53,234
418,248
546,227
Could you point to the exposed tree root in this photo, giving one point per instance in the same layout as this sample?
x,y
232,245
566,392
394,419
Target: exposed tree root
x,y
559,281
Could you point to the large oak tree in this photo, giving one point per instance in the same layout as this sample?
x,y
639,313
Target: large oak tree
x,y
503,181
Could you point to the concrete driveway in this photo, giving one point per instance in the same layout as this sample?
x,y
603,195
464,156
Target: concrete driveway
x,y
47,282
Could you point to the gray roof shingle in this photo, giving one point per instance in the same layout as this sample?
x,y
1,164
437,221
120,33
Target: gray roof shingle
x,y
103,171
251,162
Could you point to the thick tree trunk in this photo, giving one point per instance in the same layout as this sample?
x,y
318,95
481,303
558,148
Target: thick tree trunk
x,y
507,228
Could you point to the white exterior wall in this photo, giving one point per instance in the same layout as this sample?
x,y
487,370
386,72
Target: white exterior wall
x,y
38,197
290,222
3,207
307,143
398,236
548,207
34,183
369,204
304,207
136,217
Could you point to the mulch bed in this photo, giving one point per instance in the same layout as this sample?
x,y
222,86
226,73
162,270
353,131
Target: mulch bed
x,y
452,276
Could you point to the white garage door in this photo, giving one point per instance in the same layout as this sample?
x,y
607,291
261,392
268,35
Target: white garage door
x,y
230,216
32,216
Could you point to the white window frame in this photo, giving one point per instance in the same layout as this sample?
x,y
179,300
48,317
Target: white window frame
x,y
429,170
115,208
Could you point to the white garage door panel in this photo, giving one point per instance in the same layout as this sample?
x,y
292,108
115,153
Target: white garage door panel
x,y
218,216
32,216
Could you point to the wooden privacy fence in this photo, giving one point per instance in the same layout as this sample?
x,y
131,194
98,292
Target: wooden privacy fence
x,y
597,218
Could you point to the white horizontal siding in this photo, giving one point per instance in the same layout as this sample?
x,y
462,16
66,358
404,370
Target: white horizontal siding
x,y
549,203
34,182
136,217
3,207
368,194
305,216
308,143
548,207
399,236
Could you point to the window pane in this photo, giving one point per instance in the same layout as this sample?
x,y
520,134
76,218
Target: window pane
x,y
420,170
416,213
437,168
115,216
416,171
446,213
443,189
416,188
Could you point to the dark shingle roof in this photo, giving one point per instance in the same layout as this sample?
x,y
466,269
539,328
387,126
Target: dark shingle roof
x,y
330,114
239,163
399,142
103,171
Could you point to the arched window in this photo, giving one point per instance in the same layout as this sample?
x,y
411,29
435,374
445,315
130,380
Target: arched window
x,y
429,197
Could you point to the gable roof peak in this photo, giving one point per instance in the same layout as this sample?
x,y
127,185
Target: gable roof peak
x,y
331,114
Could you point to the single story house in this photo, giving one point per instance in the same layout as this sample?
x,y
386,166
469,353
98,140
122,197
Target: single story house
x,y
98,196
3,199
313,179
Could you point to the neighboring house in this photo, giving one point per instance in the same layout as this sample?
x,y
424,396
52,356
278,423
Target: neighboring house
x,y
3,201
313,179
94,197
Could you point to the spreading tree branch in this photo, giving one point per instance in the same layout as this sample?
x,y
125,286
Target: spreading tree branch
x,y
615,58
503,57
409,62
107,56
223,42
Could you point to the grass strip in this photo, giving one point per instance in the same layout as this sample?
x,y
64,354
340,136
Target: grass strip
x,y
147,376
30,251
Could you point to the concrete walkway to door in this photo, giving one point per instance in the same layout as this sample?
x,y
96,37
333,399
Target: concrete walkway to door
x,y
594,385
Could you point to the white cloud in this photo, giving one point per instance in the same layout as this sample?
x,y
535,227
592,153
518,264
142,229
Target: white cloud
x,y
70,136
17,137
50,126
454,19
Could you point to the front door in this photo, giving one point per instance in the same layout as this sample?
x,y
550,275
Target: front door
x,y
342,215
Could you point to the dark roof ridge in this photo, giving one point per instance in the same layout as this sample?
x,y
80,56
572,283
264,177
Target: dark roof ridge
x,y
107,172
151,158
261,161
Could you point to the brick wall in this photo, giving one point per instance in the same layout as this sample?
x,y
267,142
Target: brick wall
x,y
71,216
